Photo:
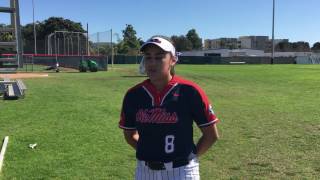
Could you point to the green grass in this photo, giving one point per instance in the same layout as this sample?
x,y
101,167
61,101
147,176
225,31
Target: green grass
x,y
270,124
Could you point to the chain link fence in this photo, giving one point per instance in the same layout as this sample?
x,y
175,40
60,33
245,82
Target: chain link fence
x,y
101,43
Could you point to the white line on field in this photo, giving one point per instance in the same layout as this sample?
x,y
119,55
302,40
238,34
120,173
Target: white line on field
x,y
3,150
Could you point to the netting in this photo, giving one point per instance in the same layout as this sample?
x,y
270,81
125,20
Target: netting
x,y
315,59
100,43
312,59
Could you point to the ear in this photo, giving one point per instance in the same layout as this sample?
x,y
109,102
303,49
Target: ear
x,y
173,60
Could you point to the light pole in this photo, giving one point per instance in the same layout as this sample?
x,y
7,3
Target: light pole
x,y
88,51
111,50
34,29
114,50
272,58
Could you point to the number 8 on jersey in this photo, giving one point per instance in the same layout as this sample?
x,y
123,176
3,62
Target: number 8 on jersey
x,y
169,145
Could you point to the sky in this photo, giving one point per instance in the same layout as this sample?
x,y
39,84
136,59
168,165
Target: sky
x,y
296,20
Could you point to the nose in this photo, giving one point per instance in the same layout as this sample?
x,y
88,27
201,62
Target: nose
x,y
150,62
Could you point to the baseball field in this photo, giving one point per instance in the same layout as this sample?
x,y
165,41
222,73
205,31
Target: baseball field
x,y
270,123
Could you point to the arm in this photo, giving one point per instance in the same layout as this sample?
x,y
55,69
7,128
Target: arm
x,y
209,137
131,137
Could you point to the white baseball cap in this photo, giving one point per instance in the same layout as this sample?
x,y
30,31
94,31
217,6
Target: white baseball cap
x,y
161,43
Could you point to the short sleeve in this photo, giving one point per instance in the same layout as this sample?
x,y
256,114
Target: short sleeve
x,y
127,117
201,109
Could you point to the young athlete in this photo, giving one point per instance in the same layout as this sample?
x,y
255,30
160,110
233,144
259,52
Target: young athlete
x,y
157,117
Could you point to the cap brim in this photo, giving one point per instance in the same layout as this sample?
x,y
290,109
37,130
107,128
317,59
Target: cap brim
x,y
150,43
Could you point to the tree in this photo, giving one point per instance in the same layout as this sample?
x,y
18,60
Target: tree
x,y
130,44
301,46
283,47
181,43
101,48
316,46
50,25
295,47
5,37
60,24
45,28
27,31
195,40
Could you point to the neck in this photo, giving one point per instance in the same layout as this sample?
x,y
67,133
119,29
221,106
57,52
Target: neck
x,y
161,83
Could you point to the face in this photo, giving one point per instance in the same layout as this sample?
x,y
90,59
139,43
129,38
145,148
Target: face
x,y
157,62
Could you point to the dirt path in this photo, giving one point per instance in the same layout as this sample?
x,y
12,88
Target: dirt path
x,y
24,75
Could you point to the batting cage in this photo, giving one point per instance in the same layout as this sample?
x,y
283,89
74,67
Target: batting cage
x,y
64,49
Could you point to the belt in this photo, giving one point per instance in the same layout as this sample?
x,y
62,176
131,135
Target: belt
x,y
154,165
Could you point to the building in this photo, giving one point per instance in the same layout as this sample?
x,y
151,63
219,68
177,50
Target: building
x,y
243,42
254,42
276,42
221,43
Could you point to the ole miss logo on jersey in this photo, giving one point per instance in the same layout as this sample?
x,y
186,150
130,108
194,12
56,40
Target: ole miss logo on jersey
x,y
156,116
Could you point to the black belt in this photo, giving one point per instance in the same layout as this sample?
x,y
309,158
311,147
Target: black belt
x,y
160,165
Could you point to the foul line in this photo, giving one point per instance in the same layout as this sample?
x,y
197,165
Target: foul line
x,y
3,150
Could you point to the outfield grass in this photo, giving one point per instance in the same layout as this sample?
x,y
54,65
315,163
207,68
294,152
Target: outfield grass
x,y
270,124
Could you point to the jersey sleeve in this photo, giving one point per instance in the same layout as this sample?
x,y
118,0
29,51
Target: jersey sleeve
x,y
127,117
201,109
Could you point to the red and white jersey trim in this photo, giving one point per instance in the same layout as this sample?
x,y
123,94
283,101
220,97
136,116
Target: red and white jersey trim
x,y
164,97
127,128
209,123
152,98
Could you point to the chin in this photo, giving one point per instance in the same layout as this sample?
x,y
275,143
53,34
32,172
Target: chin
x,y
154,76
151,77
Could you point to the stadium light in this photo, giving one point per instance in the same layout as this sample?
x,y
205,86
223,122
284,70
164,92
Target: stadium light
x,y
113,48
112,55
34,29
272,58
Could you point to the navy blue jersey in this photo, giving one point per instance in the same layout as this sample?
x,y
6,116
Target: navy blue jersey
x,y
164,119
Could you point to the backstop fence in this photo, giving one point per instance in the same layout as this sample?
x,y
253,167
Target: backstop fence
x,y
100,43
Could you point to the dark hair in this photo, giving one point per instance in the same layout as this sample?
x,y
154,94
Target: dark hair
x,y
172,71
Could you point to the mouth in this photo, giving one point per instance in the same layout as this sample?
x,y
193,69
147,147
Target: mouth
x,y
151,71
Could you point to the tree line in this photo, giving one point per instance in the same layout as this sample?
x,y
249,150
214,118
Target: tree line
x,y
299,46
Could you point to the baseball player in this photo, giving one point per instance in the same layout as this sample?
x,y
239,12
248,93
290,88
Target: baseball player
x,y
157,118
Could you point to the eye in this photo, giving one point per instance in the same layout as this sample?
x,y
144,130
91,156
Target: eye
x,y
158,58
147,58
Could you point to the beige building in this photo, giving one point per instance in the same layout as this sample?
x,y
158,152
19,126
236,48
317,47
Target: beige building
x,y
276,42
243,42
221,43
254,42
